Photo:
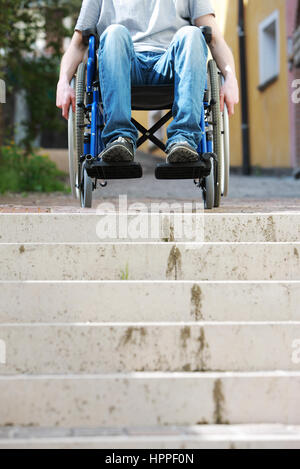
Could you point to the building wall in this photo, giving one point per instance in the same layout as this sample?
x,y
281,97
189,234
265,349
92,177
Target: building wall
x,y
291,6
268,109
291,11
296,126
297,120
269,112
227,17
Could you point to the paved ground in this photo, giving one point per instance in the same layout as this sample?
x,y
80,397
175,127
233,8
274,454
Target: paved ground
x,y
254,194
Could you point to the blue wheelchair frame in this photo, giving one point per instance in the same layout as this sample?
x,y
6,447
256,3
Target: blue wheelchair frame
x,y
93,144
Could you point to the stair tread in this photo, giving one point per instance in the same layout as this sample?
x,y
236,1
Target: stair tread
x,y
238,431
284,226
259,436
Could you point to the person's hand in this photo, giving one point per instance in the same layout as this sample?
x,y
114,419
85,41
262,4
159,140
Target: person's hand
x,y
229,94
65,96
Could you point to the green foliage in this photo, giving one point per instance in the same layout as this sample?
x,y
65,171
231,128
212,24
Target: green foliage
x,y
125,273
39,79
19,28
28,173
23,21
23,66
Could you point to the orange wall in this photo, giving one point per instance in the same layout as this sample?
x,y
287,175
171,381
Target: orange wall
x,y
268,110
269,114
227,17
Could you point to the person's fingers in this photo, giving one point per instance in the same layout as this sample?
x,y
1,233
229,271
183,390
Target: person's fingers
x,y
59,98
222,99
58,103
69,101
65,99
65,111
73,98
230,107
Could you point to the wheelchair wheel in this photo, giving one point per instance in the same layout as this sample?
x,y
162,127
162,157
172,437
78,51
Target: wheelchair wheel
x,y
86,192
209,189
214,86
226,152
72,149
76,130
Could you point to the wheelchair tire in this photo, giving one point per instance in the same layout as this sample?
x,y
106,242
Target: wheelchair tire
x,y
84,182
72,149
86,193
209,189
226,151
76,131
79,115
214,85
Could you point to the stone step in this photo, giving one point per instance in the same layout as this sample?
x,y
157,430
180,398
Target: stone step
x,y
219,261
229,227
148,301
110,347
195,437
139,399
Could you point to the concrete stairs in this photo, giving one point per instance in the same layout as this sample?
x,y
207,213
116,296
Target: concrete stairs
x,y
160,342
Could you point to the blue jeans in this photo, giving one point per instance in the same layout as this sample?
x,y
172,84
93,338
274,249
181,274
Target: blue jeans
x,y
184,64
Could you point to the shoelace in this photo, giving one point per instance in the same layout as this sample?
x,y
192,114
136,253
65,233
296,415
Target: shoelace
x,y
123,140
183,143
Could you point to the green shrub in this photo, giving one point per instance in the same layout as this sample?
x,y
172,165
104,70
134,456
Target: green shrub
x,y
28,173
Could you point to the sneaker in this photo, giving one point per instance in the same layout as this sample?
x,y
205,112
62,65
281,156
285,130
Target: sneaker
x,y
120,150
182,152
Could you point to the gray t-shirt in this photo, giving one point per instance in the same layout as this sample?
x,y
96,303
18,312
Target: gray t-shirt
x,y
151,23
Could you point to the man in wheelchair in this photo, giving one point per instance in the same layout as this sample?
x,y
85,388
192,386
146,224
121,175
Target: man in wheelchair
x,y
150,42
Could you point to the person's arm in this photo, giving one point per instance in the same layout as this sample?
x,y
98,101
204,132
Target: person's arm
x,y
225,61
70,61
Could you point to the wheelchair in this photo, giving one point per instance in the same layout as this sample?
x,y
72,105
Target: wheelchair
x,y
86,124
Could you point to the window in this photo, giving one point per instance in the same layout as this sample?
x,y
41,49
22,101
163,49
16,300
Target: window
x,y
269,50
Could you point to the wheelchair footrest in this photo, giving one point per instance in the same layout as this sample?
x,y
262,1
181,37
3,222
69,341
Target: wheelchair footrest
x,y
114,170
183,170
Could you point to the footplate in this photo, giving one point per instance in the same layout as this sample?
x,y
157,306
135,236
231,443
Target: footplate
x,y
183,170
114,170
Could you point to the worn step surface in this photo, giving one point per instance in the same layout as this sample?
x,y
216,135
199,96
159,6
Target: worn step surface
x,y
110,347
229,227
194,437
132,399
113,333
148,301
220,261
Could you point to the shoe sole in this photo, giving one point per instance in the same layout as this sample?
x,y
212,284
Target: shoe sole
x,y
117,153
182,155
